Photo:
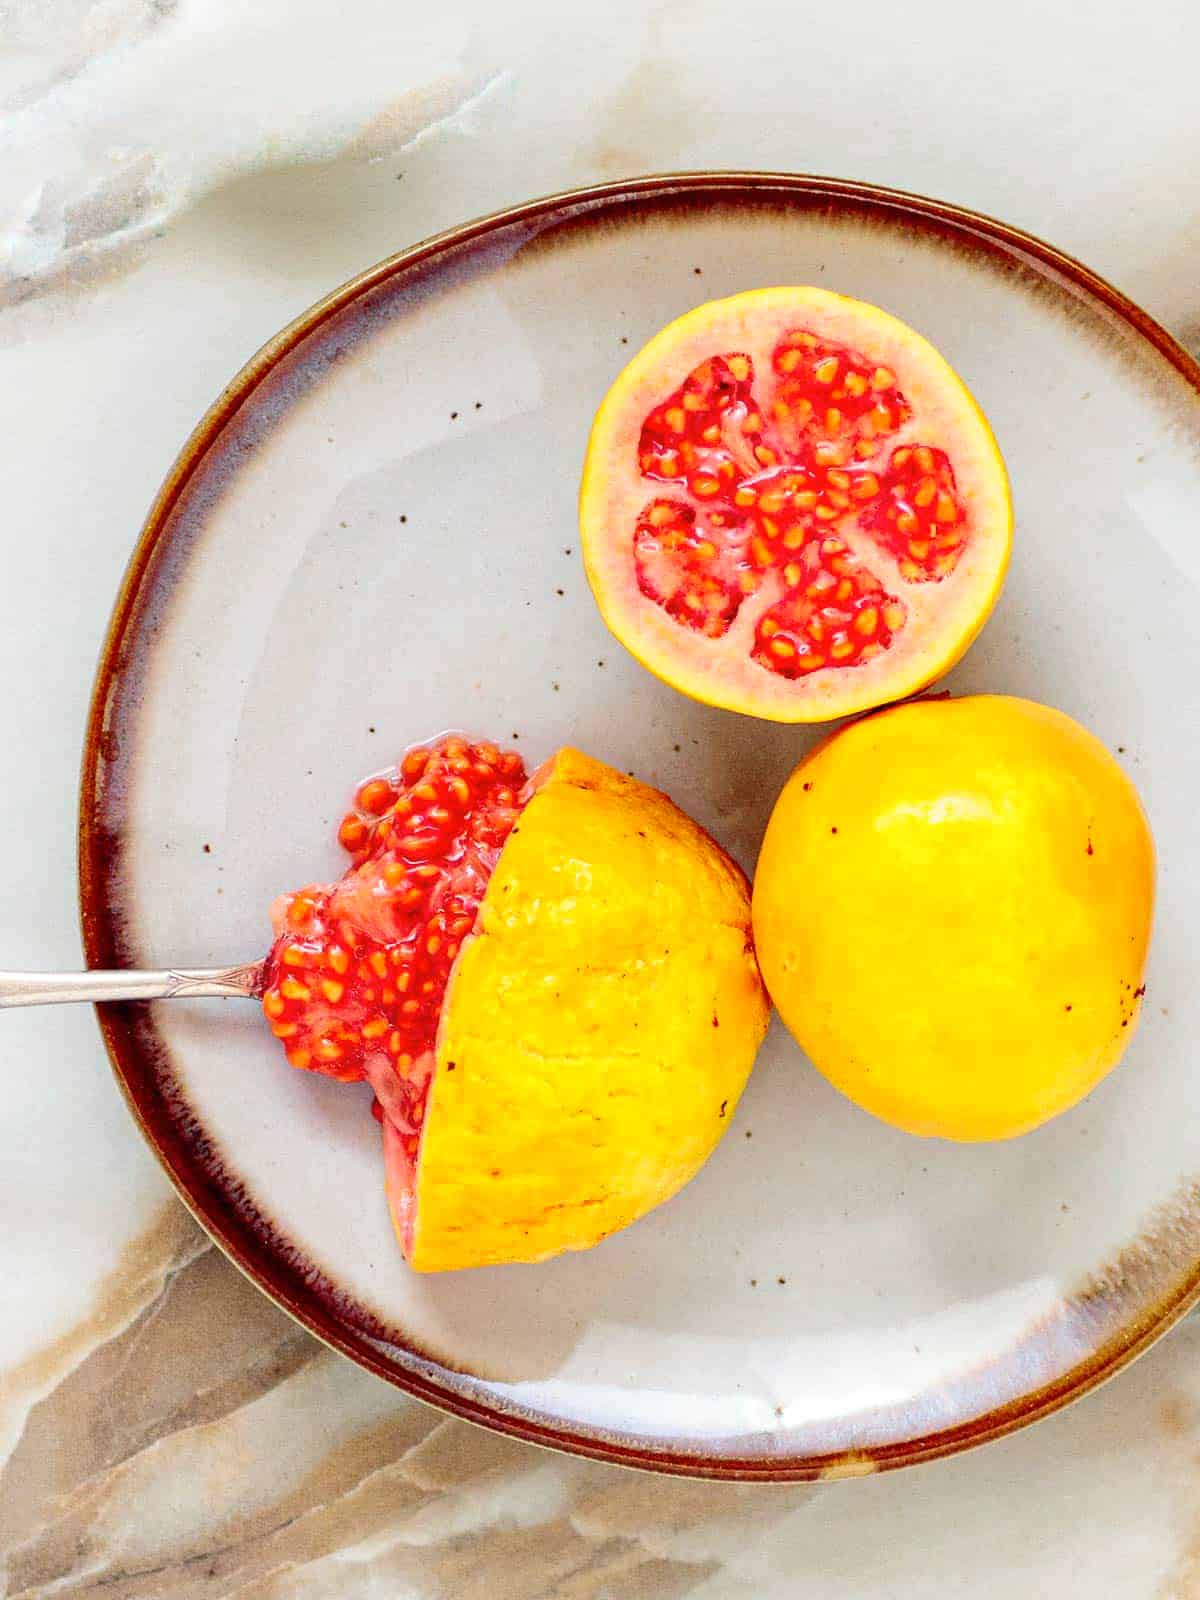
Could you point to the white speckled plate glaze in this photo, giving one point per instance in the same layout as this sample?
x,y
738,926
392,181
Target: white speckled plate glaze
x,y
372,537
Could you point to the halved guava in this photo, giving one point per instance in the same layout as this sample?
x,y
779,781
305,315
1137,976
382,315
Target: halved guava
x,y
549,983
793,507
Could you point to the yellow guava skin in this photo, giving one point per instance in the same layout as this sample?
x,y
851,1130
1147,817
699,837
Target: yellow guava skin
x,y
952,912
598,1030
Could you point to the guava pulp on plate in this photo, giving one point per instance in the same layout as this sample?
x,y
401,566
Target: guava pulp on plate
x,y
550,985
791,506
358,972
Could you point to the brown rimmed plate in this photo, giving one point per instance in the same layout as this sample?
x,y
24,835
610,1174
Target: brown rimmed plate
x,y
371,537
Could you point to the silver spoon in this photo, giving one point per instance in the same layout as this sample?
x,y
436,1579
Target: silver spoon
x,y
183,983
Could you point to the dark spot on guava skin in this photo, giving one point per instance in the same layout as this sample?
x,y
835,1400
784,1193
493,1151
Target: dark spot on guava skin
x,y
640,834
1066,1008
806,787
1090,849
833,830
450,1066
716,1020
724,1104
1139,991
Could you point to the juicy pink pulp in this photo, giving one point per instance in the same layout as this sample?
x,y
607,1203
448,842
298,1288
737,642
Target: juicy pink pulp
x,y
358,972
766,484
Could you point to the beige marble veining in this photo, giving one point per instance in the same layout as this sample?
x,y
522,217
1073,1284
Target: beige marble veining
x,y
149,1260
167,1432
211,1449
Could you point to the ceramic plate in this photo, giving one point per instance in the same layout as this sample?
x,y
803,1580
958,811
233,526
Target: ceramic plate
x,y
372,537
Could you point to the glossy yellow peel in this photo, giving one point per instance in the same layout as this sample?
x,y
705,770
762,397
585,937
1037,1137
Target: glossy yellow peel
x,y
598,1029
952,910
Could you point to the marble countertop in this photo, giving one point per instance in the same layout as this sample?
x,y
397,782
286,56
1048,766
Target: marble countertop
x,y
177,179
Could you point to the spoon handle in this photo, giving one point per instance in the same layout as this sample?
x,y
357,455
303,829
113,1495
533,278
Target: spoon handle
x,y
56,988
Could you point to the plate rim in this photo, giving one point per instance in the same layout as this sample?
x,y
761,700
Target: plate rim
x,y
252,1256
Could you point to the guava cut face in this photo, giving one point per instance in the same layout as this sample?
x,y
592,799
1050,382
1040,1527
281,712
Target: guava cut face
x,y
791,506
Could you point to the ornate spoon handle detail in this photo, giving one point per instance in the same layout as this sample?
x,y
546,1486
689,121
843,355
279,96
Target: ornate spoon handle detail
x,y
196,983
